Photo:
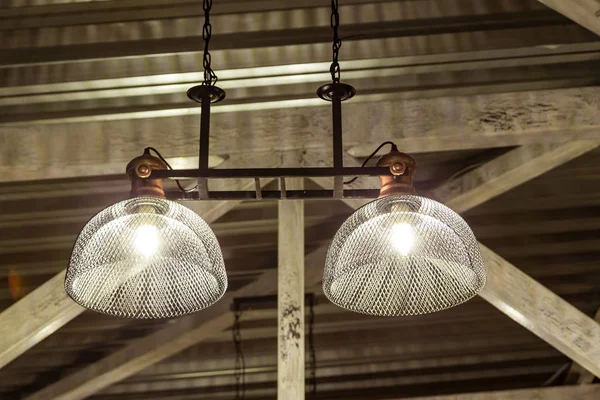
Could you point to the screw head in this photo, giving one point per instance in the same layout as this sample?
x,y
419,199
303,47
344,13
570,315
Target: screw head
x,y
397,168
143,171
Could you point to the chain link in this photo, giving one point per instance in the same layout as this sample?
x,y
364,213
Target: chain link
x,y
240,362
312,361
337,42
210,78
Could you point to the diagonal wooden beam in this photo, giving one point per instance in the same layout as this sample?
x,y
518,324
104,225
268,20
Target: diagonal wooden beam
x,y
541,311
584,12
507,172
35,317
584,392
139,354
577,374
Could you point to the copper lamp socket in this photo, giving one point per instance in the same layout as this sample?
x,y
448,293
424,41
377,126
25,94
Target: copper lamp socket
x,y
139,170
403,167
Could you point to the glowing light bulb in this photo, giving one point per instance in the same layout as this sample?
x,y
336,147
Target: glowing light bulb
x,y
146,240
402,238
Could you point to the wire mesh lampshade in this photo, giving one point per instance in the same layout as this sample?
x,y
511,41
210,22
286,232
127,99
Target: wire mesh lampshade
x,y
403,255
146,257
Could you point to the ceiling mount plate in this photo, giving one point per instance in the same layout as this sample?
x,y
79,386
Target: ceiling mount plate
x,y
330,90
214,93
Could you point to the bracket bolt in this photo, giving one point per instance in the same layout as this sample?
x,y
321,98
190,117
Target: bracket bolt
x,y
397,168
143,171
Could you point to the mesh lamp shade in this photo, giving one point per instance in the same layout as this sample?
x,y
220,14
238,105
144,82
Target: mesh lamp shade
x,y
403,255
146,257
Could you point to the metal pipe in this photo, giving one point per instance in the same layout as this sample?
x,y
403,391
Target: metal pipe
x,y
318,194
338,155
271,172
204,143
204,131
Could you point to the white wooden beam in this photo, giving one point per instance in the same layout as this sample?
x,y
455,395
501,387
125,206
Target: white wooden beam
x,y
141,353
577,374
584,392
506,172
541,311
417,125
290,298
138,355
584,12
35,317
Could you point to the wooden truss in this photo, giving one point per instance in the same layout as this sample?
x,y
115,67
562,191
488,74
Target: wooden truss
x,y
557,126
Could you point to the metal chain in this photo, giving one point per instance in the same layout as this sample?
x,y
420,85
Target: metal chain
x,y
337,42
312,361
240,362
210,78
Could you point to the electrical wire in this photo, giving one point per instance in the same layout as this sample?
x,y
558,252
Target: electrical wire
x,y
148,149
312,361
240,361
463,171
554,378
371,156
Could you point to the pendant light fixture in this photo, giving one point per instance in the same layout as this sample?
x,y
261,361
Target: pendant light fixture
x,y
401,254
148,257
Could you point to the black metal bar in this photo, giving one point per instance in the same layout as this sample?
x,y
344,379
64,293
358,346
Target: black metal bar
x,y
258,188
204,143
270,172
323,194
338,151
282,188
204,131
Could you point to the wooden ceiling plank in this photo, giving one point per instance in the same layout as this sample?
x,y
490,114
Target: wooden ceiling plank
x,y
585,392
518,45
315,73
135,10
360,65
264,27
584,12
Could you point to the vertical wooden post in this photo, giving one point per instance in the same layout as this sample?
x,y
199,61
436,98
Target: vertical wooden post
x,y
290,304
